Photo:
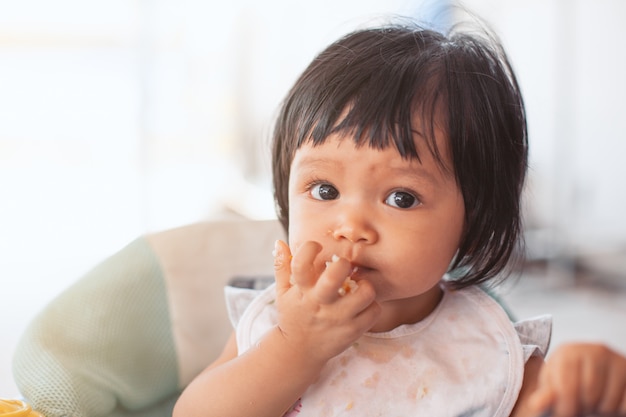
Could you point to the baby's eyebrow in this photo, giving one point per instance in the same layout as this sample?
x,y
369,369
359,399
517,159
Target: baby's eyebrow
x,y
314,160
415,170
418,171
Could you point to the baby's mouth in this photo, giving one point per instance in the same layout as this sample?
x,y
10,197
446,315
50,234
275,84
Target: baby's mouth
x,y
351,283
359,271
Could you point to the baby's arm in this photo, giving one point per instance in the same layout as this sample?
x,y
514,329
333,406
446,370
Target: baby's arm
x,y
577,380
315,324
264,381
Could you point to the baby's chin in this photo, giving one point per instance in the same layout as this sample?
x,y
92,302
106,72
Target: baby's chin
x,y
411,288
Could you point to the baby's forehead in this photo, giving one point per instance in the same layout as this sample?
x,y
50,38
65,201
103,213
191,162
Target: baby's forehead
x,y
416,147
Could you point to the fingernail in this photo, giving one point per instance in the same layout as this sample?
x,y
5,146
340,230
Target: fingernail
x,y
276,248
279,255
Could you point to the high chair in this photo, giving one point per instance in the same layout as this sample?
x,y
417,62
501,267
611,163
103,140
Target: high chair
x,y
126,338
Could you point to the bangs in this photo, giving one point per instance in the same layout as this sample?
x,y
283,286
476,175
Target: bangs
x,y
380,95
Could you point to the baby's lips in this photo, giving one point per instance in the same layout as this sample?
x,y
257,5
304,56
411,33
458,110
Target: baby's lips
x,y
335,258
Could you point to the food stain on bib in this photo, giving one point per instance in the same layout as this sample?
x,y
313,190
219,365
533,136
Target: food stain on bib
x,y
416,391
381,351
340,377
372,381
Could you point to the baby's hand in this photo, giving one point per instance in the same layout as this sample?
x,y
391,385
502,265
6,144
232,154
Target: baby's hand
x,y
582,380
313,315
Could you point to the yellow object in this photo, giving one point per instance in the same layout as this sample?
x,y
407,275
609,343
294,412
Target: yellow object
x,y
16,408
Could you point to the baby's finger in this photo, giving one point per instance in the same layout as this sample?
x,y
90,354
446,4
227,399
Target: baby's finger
x,y
366,297
567,387
304,271
614,397
541,401
331,280
368,317
594,374
362,308
544,395
282,265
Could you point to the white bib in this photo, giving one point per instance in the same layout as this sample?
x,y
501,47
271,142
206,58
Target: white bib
x,y
465,359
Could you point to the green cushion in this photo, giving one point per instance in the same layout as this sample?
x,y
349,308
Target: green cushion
x,y
104,347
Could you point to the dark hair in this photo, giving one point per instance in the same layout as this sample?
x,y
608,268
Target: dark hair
x,y
372,82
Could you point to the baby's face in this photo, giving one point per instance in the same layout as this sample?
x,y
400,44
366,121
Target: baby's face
x,y
399,221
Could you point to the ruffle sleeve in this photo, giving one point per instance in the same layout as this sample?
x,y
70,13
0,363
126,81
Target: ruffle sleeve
x,y
535,335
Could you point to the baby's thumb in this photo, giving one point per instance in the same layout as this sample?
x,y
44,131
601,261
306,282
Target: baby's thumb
x,y
282,265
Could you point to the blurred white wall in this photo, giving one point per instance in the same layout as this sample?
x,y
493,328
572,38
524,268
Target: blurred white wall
x,y
570,56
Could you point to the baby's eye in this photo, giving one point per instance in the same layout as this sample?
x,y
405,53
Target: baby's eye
x,y
402,199
324,192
